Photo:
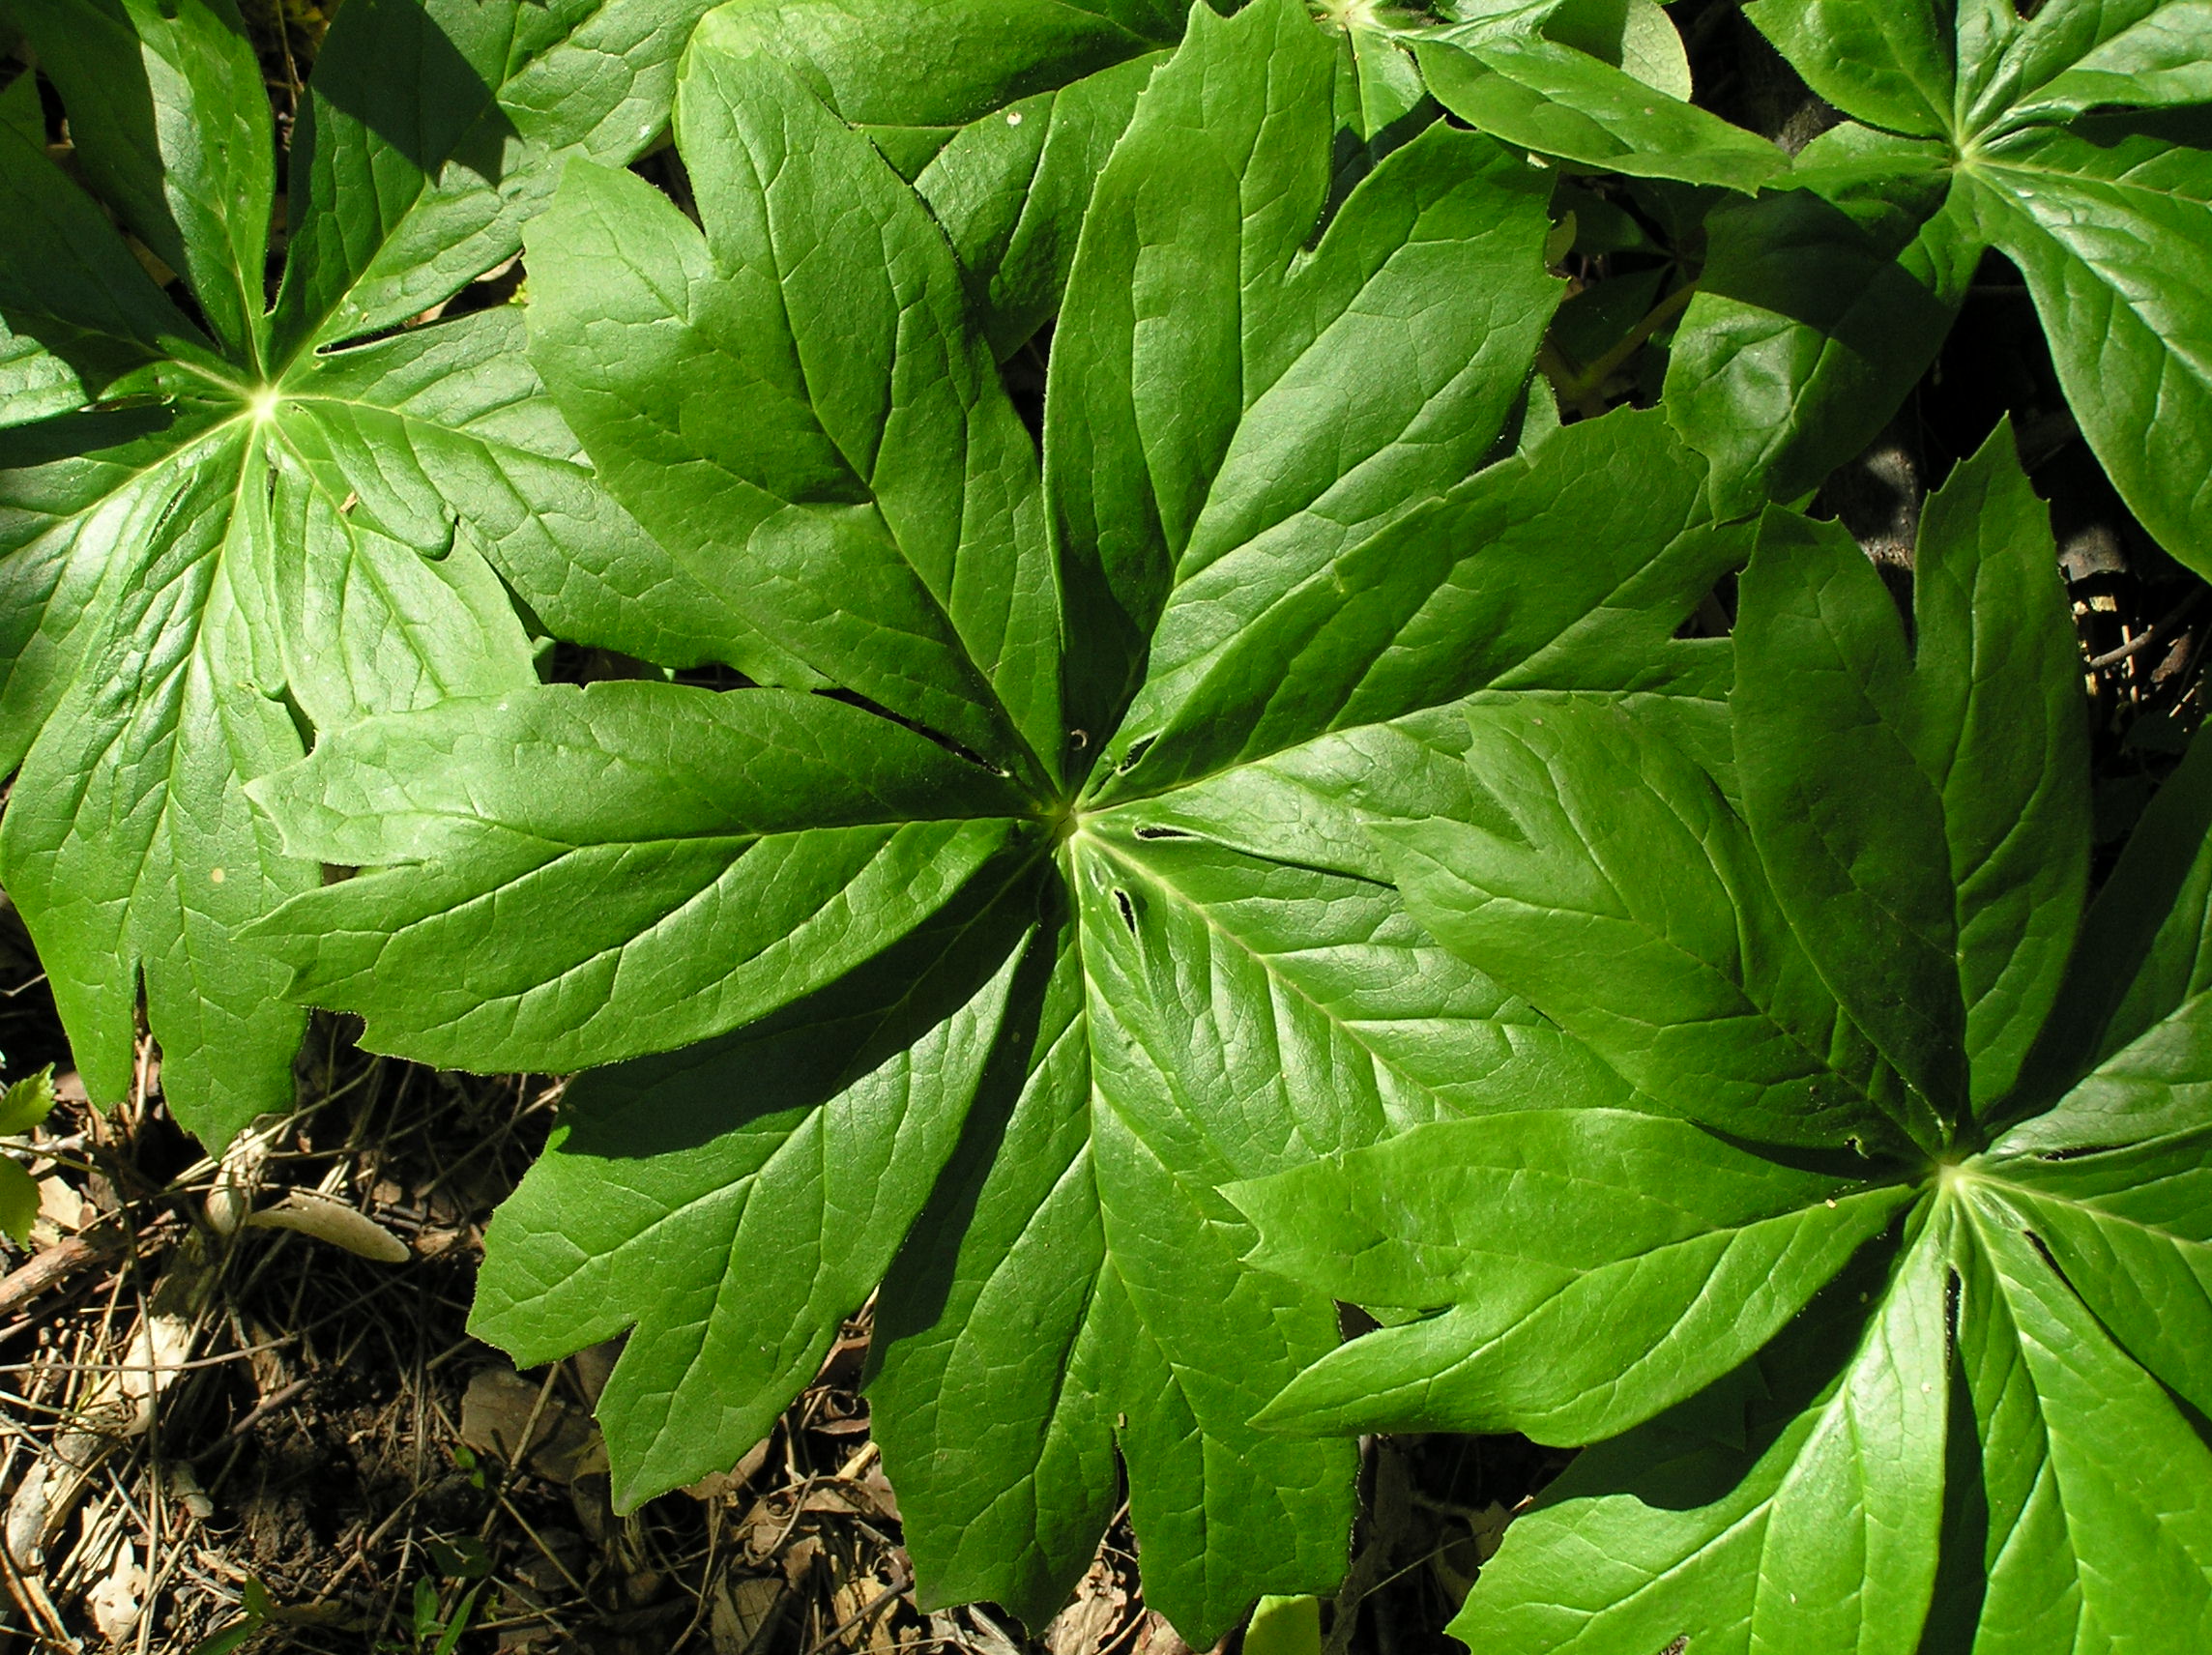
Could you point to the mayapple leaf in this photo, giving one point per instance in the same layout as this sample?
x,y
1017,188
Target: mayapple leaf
x,y
219,529
1001,115
1965,1410
2145,947
1890,66
1805,1541
2075,142
2070,150
798,416
2011,62
1617,888
865,1086
2096,1486
2110,222
2150,56
1549,97
1198,471
171,123
913,75
1821,303
1939,897
1074,800
424,180
1593,1229
2132,1228
1009,190
633,821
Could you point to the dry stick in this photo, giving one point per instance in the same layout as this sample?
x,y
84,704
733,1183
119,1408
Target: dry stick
x,y
2158,631
859,1618
703,1608
150,1520
30,1596
260,1410
125,1367
52,1265
361,1549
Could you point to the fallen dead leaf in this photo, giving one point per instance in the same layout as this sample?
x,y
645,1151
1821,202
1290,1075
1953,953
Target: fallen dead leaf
x,y
334,1222
496,1411
746,1607
117,1600
1096,1617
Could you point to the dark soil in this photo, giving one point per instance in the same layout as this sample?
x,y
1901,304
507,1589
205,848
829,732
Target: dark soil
x,y
220,1436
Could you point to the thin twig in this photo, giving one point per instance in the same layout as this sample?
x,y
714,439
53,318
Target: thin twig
x,y
2158,631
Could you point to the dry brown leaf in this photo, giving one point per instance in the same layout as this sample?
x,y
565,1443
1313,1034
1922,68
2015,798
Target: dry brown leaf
x,y
744,1608
118,1599
837,1499
878,1488
496,1411
1158,1637
716,1485
61,1208
1096,1617
334,1222
799,1559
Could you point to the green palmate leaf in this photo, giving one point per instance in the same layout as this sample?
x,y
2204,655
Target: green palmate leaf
x,y
2107,216
2014,63
2128,1226
1552,98
170,122
1807,1537
633,821
1890,66
2149,55
1586,1232
1089,925
87,306
1001,115
2111,225
1219,463
912,77
1820,306
1941,897
431,174
1009,191
807,1199
252,517
1616,881
2143,946
798,418
1969,1374
2098,1489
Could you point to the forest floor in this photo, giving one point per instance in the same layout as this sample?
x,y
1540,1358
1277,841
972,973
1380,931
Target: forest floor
x,y
241,1412
223,1434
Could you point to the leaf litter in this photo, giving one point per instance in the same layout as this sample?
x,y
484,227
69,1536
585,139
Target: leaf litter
x,y
289,1441
213,1424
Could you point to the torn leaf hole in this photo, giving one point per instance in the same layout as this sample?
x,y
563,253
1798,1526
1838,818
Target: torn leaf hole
x,y
1135,755
1149,831
1129,908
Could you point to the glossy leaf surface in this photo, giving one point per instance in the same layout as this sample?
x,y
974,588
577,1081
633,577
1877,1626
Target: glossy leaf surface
x,y
1965,1369
1093,925
252,515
